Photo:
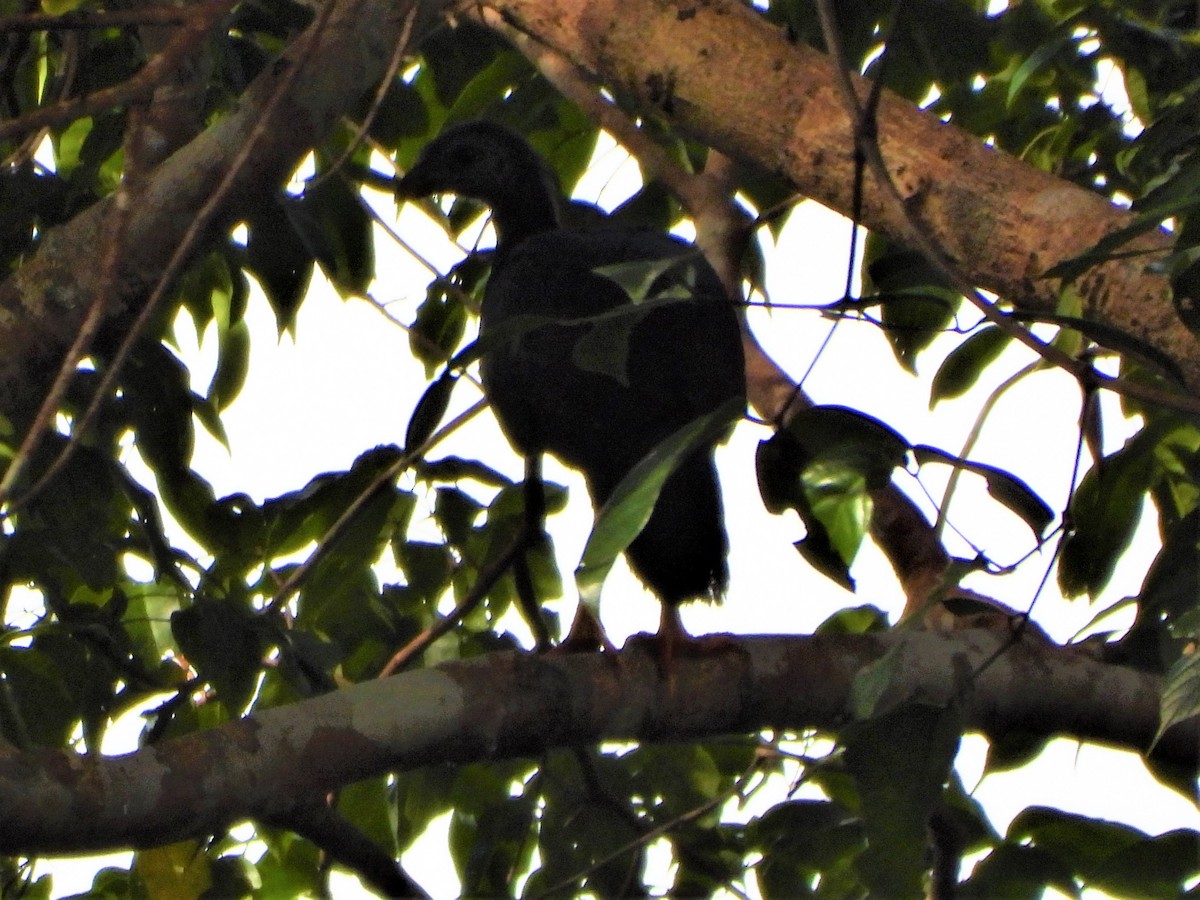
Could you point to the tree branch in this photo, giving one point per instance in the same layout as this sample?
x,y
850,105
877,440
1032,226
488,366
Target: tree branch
x,y
996,218
43,305
517,704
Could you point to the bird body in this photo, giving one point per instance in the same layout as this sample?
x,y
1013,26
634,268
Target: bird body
x,y
646,376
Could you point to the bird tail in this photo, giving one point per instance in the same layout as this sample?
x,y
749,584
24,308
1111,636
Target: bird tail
x,y
681,553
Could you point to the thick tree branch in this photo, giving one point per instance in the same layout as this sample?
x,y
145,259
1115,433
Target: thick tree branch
x,y
516,704
42,306
999,220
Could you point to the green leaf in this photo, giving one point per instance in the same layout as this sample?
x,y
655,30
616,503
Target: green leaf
x,y
367,805
1084,844
824,464
1018,872
40,709
961,369
224,643
641,279
439,326
278,258
233,364
801,841
917,303
1005,487
629,507
855,620
921,742
177,870
336,231
1104,512
1181,693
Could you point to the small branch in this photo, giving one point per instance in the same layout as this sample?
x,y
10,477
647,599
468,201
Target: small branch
x,y
385,84
86,19
483,583
136,88
320,823
867,142
329,538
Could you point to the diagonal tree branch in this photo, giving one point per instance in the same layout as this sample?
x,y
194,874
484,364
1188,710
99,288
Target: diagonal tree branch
x,y
996,218
43,305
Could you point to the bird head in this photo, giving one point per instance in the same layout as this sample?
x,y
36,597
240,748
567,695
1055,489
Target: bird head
x,y
485,161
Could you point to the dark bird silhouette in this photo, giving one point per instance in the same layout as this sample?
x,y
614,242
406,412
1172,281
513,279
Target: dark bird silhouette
x,y
684,358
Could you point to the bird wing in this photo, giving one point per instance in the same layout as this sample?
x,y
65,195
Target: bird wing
x,y
566,388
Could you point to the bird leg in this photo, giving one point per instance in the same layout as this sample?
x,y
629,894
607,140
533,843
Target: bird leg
x,y
586,634
673,641
533,530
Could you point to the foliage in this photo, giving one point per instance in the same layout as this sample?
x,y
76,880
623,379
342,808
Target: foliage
x,y
209,636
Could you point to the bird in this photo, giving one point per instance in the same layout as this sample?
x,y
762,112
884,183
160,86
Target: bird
x,y
683,358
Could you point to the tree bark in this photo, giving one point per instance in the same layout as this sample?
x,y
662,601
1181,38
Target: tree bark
x,y
43,305
520,704
1001,222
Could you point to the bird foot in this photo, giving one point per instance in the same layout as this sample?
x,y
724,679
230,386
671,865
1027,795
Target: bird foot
x,y
673,642
586,635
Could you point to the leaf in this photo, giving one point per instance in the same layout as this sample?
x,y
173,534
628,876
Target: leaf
x,y
1104,512
1161,866
336,231
1035,61
1019,872
278,258
430,410
177,870
1005,487
1181,693
855,620
638,278
961,369
225,645
921,742
824,464
917,304
1082,843
368,806
233,364
439,326
629,507
799,840
852,439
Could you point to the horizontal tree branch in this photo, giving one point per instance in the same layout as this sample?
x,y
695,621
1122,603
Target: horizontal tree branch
x,y
521,704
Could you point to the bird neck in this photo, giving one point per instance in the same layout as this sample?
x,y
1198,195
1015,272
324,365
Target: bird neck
x,y
523,213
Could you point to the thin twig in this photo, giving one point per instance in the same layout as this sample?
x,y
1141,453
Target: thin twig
x,y
385,84
654,833
133,89
484,582
301,572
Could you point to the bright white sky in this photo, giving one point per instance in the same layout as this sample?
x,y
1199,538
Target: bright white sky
x,y
348,383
